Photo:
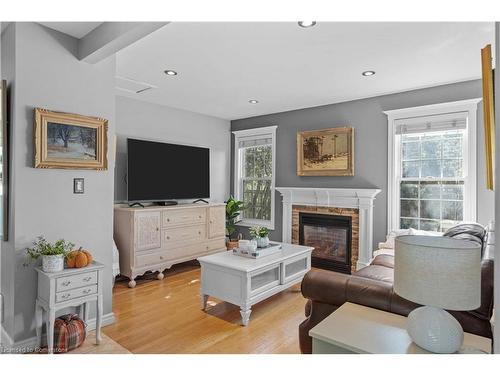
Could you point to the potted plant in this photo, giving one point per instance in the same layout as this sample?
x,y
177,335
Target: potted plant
x,y
261,235
53,255
233,210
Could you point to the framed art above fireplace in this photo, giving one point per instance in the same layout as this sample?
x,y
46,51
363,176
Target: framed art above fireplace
x,y
326,152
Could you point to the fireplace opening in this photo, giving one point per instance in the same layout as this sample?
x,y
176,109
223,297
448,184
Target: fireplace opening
x,y
331,237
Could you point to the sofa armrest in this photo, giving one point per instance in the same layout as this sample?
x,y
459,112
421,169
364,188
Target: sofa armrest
x,y
325,286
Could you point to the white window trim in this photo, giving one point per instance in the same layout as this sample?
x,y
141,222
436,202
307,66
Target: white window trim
x,y
255,132
469,106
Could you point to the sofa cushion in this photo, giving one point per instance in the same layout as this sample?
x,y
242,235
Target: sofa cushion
x,y
386,260
376,272
468,231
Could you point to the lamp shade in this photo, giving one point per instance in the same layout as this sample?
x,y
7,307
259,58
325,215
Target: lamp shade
x,y
438,271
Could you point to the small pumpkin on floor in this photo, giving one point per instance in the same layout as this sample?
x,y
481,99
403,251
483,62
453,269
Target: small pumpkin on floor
x,y
79,258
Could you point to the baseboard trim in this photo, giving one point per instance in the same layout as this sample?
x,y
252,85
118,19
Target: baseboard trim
x,y
5,339
29,345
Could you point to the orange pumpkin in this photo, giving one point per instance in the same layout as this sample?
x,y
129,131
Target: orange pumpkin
x,y
79,258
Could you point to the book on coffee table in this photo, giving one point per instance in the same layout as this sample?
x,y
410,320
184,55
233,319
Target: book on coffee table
x,y
271,249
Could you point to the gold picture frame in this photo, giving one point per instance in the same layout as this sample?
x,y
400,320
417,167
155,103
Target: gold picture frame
x,y
326,152
70,141
489,114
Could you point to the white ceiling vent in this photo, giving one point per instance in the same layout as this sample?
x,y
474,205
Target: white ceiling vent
x,y
133,86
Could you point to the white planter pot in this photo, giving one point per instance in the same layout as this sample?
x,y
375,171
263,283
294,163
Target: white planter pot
x,y
52,263
262,241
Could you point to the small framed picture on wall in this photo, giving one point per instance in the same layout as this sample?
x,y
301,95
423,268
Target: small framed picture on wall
x,y
70,141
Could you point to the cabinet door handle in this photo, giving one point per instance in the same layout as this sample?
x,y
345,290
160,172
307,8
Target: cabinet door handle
x,y
157,229
65,296
87,291
66,283
168,219
168,237
161,257
199,232
199,216
87,279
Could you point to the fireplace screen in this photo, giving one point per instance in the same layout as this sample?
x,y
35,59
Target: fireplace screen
x,y
330,235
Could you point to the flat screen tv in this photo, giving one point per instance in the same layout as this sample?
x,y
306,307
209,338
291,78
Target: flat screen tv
x,y
159,171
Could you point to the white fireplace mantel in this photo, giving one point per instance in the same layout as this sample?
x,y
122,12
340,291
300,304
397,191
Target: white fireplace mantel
x,y
361,199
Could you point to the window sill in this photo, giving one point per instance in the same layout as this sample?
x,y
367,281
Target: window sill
x,y
252,223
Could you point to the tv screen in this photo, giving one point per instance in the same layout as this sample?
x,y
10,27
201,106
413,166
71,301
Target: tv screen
x,y
161,171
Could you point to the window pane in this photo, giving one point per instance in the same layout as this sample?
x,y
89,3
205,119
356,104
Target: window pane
x,y
453,210
430,209
452,148
409,189
257,199
409,208
430,190
411,169
429,225
452,168
249,162
409,223
431,149
453,191
431,168
411,150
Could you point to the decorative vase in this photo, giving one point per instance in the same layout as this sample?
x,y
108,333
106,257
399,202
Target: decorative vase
x,y
52,263
262,242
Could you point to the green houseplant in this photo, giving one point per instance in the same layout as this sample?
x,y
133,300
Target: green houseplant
x,y
261,235
52,254
233,210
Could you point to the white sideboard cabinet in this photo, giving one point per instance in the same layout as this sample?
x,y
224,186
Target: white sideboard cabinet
x,y
155,238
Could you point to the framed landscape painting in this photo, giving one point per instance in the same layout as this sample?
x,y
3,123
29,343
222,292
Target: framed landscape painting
x,y
326,152
70,141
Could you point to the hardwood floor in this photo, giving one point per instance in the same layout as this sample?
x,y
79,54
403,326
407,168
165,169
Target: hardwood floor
x,y
164,316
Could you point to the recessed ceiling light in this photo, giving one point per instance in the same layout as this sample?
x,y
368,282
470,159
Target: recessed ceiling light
x,y
307,23
368,73
170,72
253,101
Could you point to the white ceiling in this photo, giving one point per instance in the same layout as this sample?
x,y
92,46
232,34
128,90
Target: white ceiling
x,y
223,65
75,29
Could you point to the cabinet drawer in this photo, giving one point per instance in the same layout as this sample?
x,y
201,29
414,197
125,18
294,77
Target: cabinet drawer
x,y
184,216
184,235
76,293
76,281
150,259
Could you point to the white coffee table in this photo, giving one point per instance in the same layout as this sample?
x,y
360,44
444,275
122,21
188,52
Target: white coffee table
x,y
359,329
244,282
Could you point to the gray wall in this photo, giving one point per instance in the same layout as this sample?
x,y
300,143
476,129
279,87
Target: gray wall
x,y
370,134
48,75
138,119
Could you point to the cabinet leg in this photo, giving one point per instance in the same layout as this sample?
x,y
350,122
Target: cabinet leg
x,y
51,317
98,320
203,301
132,283
245,315
39,323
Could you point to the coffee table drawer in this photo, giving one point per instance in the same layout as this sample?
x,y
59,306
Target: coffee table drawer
x,y
295,268
265,279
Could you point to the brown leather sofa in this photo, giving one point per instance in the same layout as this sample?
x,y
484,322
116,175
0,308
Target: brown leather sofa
x,y
372,286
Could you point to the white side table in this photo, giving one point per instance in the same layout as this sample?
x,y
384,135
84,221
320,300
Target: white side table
x,y
70,287
359,329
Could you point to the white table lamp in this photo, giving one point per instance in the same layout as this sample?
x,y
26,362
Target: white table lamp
x,y
439,273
